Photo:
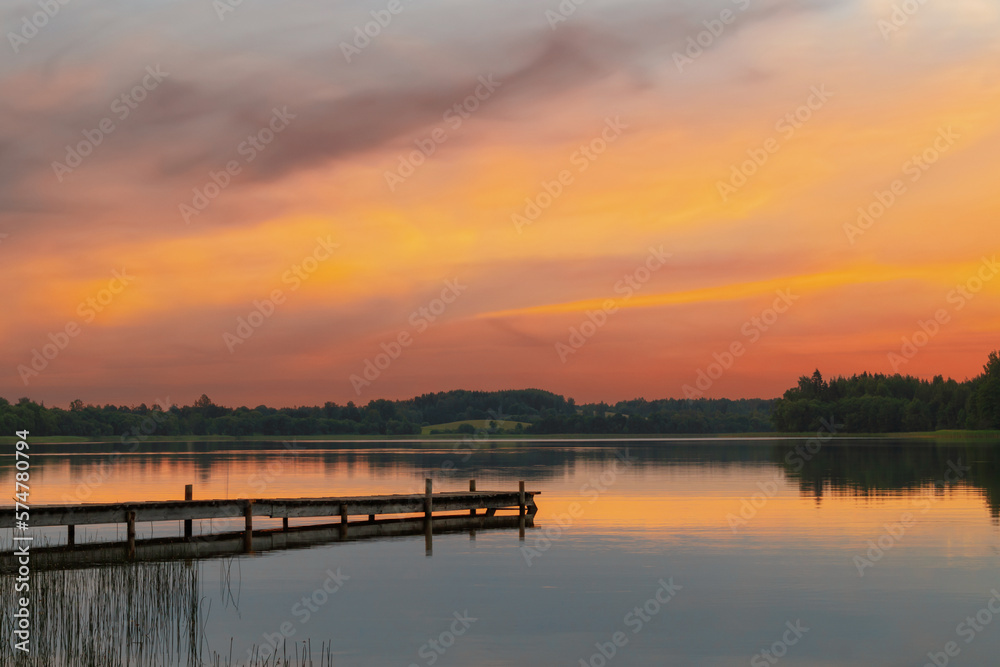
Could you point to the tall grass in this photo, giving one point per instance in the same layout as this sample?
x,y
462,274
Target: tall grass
x,y
117,615
126,615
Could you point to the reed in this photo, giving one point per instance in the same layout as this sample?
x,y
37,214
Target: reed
x,y
128,615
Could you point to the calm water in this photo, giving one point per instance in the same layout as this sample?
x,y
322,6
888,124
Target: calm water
x,y
672,553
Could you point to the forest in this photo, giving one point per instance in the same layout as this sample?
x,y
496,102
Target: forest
x,y
866,403
878,403
507,411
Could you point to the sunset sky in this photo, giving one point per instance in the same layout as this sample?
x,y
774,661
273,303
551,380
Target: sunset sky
x,y
603,181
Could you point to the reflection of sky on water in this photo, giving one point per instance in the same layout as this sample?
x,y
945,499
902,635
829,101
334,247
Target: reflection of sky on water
x,y
663,516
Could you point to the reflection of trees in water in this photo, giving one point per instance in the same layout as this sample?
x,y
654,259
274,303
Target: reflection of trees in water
x,y
878,468
874,466
123,614
459,460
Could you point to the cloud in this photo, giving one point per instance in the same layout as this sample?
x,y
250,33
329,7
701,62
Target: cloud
x,y
324,175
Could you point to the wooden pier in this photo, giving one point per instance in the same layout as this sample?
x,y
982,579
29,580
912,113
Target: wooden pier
x,y
425,505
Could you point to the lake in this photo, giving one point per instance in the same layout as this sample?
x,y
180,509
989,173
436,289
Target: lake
x,y
668,552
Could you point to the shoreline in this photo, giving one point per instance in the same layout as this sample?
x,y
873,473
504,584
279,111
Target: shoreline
x,y
499,437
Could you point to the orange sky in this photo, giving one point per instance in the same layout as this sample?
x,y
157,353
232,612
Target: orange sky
x,y
353,255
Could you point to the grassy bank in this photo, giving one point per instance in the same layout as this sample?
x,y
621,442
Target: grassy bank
x,y
476,424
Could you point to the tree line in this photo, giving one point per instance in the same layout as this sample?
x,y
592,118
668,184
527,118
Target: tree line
x,y
544,412
866,403
876,403
205,417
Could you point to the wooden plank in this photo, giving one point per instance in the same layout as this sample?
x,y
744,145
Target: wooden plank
x,y
111,513
327,507
79,515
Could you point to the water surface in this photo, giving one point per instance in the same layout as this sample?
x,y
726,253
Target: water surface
x,y
694,553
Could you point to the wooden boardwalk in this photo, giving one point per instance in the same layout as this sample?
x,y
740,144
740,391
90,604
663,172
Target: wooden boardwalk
x,y
369,507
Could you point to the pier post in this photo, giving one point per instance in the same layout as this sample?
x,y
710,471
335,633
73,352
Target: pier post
x,y
130,532
343,521
520,510
188,495
428,511
284,523
428,500
472,488
71,535
248,526
428,538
